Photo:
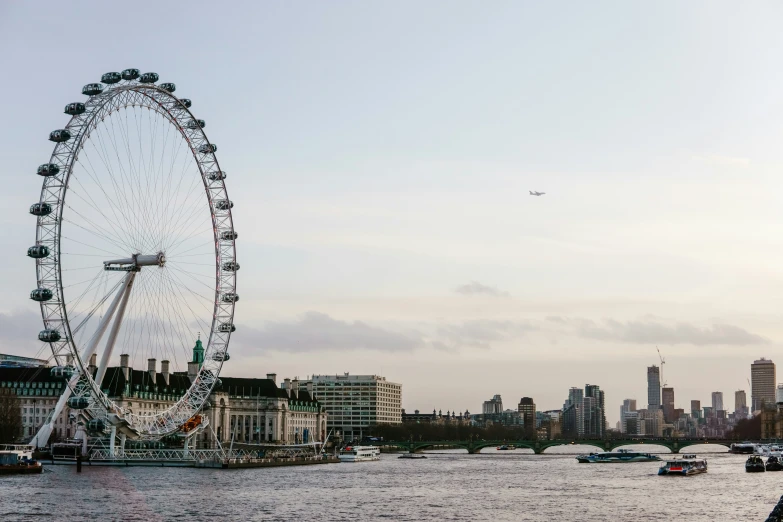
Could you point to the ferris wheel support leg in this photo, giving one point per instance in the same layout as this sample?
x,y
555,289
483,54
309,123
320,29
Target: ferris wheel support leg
x,y
112,438
42,437
115,328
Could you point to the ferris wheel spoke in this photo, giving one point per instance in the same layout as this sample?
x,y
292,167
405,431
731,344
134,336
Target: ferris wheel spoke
x,y
175,287
101,232
115,226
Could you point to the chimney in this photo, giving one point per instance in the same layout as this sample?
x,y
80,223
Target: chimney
x,y
272,377
164,369
92,367
124,358
295,388
151,369
192,370
287,385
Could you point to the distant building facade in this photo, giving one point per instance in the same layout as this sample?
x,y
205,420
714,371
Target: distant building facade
x,y
356,402
717,401
762,383
16,361
492,406
527,409
584,413
667,395
653,387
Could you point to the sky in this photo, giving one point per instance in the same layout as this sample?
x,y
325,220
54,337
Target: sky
x,y
380,156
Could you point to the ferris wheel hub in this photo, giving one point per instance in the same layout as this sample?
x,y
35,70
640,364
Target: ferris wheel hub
x,y
135,262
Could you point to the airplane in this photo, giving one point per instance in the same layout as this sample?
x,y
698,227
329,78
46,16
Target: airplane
x,y
534,193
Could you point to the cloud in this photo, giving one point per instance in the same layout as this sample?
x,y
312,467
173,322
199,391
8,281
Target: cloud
x,y
654,332
476,288
722,161
19,333
481,333
315,331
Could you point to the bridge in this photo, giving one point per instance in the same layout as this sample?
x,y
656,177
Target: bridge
x,y
538,446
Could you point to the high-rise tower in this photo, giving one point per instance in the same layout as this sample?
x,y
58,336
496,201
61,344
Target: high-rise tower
x,y
762,387
653,388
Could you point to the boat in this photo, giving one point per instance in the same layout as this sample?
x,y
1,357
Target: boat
x,y
616,457
774,463
742,448
14,463
359,453
754,464
687,465
412,456
506,447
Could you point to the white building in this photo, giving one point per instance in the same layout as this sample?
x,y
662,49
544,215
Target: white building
x,y
356,402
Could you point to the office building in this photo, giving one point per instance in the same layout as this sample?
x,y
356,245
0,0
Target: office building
x,y
696,409
356,402
668,404
584,414
740,405
653,387
492,406
629,405
717,401
527,409
762,383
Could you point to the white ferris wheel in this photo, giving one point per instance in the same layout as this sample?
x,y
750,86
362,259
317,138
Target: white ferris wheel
x,y
135,250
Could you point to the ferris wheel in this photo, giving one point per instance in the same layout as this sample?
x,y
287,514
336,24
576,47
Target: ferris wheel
x,y
135,252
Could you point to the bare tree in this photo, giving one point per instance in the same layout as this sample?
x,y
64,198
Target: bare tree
x,y
10,416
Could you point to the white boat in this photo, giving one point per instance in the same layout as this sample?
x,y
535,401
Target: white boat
x,y
619,456
687,465
359,453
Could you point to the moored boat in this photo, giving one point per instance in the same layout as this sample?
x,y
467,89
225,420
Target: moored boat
x,y
754,464
11,463
742,448
774,463
505,447
687,465
359,453
412,456
616,457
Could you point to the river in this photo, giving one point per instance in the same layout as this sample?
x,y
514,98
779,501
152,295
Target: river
x,y
448,485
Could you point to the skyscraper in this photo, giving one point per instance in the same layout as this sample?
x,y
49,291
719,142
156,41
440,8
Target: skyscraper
x,y
629,405
492,406
668,404
762,387
527,409
594,413
696,409
740,405
653,387
717,401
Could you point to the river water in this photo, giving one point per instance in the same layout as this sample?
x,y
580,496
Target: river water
x,y
448,485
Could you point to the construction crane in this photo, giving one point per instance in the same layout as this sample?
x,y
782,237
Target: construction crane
x,y
663,361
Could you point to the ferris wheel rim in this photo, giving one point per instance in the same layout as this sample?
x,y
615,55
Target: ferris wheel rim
x,y
49,273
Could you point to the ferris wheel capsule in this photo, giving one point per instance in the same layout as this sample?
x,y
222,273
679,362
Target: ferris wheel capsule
x,y
41,294
91,89
221,356
40,209
227,327
230,266
229,235
208,148
74,109
224,204
59,136
149,77
230,297
130,74
78,403
168,87
110,78
196,124
48,169
49,336
96,425
186,102
38,251
217,175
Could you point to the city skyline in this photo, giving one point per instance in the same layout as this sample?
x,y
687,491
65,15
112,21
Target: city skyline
x,y
381,187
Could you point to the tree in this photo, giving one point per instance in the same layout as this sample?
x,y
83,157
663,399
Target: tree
x,y
10,417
